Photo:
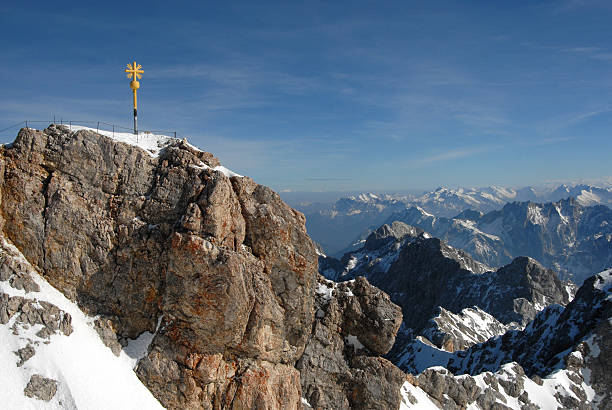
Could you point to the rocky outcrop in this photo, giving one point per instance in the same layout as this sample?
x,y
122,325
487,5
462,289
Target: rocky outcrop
x,y
41,388
355,322
428,273
507,388
225,264
218,267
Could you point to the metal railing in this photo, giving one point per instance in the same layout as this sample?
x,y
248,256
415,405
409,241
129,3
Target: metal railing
x,y
97,125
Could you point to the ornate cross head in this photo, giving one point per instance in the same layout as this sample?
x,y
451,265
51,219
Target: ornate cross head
x,y
134,71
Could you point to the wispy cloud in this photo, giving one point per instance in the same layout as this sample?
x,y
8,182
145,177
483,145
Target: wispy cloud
x,y
546,141
452,154
602,56
581,49
242,74
573,5
558,123
328,179
585,115
596,53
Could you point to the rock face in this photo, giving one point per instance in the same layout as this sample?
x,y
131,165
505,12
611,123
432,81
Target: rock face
x,y
217,266
224,262
355,322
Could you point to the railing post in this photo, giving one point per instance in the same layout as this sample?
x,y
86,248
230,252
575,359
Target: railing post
x,y
113,130
98,127
26,124
174,134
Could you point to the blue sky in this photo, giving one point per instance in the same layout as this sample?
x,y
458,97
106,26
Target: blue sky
x,y
333,96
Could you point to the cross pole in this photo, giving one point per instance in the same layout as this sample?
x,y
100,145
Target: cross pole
x,y
134,71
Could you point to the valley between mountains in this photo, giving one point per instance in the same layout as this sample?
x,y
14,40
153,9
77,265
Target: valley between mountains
x,y
142,274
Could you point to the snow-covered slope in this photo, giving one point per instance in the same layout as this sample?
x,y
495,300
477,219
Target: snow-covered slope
x,y
52,353
458,331
152,143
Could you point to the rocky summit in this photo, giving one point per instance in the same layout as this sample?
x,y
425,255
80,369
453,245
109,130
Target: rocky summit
x,y
218,269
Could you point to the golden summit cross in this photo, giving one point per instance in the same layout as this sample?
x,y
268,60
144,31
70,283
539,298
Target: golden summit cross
x,y
134,72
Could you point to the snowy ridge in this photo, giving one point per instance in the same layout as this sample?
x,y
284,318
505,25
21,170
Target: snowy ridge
x,y
153,144
448,202
467,328
555,362
87,374
509,386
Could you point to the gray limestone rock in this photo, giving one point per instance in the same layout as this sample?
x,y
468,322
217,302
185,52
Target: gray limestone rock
x,y
339,368
104,328
31,312
40,388
25,354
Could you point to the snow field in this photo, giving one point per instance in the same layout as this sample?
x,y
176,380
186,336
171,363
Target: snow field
x,y
88,374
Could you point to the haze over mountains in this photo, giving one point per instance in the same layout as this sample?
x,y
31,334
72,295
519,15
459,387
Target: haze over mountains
x,y
572,236
337,225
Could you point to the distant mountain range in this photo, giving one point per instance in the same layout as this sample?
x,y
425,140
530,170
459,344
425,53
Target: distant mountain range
x,y
449,202
336,226
572,239
421,273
